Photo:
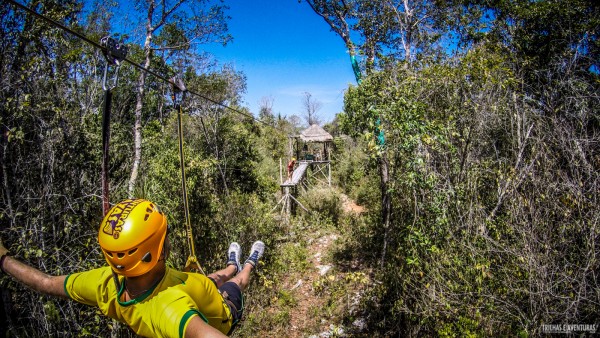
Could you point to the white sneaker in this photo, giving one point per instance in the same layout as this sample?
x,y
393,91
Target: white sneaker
x,y
258,248
233,255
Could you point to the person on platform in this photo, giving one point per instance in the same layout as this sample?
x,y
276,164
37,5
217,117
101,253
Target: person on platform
x,y
290,168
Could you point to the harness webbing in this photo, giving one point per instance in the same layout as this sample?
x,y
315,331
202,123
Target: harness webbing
x,y
105,152
114,53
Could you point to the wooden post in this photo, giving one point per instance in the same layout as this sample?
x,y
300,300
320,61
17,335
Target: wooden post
x,y
288,201
293,205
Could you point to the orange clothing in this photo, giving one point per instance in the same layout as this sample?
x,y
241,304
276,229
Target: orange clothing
x,y
290,166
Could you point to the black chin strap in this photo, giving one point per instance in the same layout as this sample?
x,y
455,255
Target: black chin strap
x,y
116,280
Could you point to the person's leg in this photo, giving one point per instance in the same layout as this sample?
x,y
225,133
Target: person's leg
x,y
233,266
243,278
222,276
232,290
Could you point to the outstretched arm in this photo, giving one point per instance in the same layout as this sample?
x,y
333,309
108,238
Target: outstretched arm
x,y
197,328
32,277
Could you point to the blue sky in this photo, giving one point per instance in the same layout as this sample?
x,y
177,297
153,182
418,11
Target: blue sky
x,y
285,50
282,47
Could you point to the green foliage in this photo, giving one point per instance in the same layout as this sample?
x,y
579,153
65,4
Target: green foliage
x,y
293,258
493,169
353,172
51,120
469,207
287,299
349,163
464,327
324,202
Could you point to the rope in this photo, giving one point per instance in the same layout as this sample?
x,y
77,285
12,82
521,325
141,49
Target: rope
x,y
379,133
192,263
356,69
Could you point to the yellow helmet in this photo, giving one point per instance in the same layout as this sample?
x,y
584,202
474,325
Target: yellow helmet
x,y
293,158
131,236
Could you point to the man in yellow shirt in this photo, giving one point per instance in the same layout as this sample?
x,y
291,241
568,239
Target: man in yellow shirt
x,y
137,287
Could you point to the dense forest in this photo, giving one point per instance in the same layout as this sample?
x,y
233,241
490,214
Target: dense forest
x,y
471,139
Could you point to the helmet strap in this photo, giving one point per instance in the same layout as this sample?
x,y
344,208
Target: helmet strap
x,y
166,249
116,280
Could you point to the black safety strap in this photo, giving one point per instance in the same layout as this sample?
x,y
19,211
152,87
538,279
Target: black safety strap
x,y
114,53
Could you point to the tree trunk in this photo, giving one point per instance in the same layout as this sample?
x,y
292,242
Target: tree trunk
x,y
5,179
137,128
216,151
386,203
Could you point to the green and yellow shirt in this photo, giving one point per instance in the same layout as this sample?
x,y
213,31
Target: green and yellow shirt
x,y
163,311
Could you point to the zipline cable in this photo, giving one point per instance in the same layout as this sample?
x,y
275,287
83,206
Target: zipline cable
x,y
56,23
136,65
115,54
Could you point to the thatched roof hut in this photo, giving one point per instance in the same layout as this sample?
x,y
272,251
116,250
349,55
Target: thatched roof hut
x,y
311,135
315,133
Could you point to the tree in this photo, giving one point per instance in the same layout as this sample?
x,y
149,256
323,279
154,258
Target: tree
x,y
384,30
48,156
295,122
179,28
337,14
311,107
224,88
265,111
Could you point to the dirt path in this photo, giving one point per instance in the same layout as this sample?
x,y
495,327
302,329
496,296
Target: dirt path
x,y
308,303
350,206
302,315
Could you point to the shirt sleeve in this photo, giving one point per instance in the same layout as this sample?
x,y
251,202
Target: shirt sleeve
x,y
86,287
173,313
